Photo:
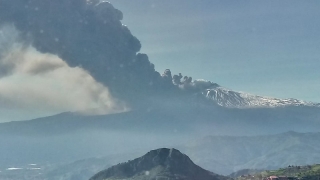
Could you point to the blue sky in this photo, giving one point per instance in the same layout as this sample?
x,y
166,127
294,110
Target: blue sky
x,y
268,48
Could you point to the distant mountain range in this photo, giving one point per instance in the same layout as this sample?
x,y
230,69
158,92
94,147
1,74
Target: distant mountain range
x,y
181,123
220,154
226,154
159,164
232,99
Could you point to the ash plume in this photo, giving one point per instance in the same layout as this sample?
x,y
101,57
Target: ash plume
x,y
87,34
32,81
186,83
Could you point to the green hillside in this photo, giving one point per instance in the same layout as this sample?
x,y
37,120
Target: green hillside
x,y
309,172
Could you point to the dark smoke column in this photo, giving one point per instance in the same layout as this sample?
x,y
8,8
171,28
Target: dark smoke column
x,y
88,34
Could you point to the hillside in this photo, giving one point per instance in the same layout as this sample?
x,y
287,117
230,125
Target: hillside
x,y
169,164
308,172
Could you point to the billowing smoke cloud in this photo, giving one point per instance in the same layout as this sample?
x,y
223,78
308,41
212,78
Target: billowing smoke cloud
x,y
87,34
36,81
177,79
186,83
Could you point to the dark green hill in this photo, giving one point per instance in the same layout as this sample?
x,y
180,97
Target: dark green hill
x,y
169,164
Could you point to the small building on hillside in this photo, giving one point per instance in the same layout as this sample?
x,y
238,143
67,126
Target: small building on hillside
x,y
273,178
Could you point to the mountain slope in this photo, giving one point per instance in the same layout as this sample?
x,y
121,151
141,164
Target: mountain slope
x,y
228,98
169,164
227,153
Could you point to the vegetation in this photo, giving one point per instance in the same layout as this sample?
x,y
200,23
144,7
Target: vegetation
x,y
309,172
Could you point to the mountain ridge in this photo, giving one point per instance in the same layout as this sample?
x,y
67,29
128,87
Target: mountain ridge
x,y
232,153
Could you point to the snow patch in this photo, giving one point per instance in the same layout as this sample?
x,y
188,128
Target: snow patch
x,y
13,168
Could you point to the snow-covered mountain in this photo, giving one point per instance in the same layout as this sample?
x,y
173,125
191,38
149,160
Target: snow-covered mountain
x,y
232,99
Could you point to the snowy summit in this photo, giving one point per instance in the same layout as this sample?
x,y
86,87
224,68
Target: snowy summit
x,y
232,99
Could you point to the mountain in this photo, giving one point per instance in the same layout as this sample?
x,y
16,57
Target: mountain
x,y
68,137
89,34
162,163
226,154
221,154
169,122
232,99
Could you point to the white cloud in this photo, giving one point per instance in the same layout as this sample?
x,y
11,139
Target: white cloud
x,y
36,84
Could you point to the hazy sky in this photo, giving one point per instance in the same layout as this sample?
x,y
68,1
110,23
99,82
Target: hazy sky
x,y
268,48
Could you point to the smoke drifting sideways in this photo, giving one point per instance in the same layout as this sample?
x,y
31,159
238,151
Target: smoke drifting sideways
x,y
89,34
33,82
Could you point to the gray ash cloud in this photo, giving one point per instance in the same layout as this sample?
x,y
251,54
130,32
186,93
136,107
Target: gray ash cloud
x,y
89,34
